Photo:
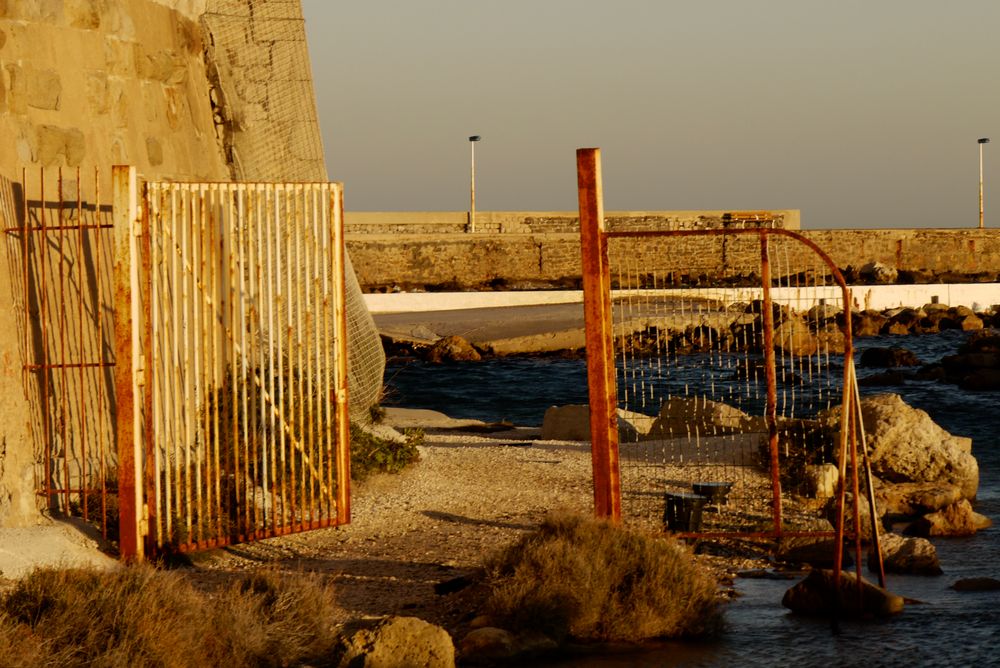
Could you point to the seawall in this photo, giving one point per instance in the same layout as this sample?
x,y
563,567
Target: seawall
x,y
549,257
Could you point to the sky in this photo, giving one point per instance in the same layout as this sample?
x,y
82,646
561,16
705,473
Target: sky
x,y
860,114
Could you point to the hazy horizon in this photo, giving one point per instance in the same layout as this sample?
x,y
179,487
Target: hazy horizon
x,y
858,114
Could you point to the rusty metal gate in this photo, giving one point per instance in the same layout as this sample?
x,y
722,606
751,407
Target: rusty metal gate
x,y
721,377
237,362
59,252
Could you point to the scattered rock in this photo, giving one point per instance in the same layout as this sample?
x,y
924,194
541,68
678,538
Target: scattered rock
x,y
888,378
821,480
454,584
453,349
958,519
488,643
868,323
888,358
911,556
977,584
793,337
816,595
399,641
876,272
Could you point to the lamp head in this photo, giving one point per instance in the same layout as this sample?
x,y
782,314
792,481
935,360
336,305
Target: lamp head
x,y
477,138
984,140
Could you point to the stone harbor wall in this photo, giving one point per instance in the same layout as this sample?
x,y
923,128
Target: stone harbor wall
x,y
492,260
182,89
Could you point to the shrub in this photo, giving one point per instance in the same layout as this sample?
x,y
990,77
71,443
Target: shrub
x,y
139,616
371,453
591,580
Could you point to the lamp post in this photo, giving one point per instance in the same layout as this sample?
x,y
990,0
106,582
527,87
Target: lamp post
x,y
472,203
982,140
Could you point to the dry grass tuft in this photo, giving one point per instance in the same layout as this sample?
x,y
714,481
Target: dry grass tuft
x,y
139,616
590,580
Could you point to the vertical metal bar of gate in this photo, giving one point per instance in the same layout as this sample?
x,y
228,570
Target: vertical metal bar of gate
x,y
771,406
128,368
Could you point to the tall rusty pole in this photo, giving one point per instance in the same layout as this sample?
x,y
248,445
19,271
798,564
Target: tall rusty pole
x,y
472,204
982,140
599,342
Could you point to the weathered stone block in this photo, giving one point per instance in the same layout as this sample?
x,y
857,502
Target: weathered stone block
x,y
98,91
120,109
83,14
240,8
120,56
152,101
176,106
289,61
154,151
277,29
164,66
277,9
55,144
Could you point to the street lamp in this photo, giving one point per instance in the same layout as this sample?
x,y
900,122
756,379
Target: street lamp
x,y
982,140
472,204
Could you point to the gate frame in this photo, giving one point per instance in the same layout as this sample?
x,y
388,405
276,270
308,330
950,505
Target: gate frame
x,y
602,385
134,428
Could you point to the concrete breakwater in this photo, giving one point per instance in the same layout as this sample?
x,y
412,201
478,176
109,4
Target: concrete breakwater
x,y
541,259
420,320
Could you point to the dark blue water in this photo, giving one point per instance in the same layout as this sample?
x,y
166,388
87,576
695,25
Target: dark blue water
x,y
948,629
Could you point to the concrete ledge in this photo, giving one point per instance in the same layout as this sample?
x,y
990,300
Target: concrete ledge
x,y
878,297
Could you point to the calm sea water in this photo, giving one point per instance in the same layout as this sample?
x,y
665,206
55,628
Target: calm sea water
x,y
947,629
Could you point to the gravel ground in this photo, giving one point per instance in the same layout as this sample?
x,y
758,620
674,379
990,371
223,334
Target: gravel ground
x,y
470,495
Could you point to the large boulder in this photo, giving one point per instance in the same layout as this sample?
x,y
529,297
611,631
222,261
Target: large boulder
x,y
905,445
572,423
683,416
906,555
399,641
817,595
910,499
958,519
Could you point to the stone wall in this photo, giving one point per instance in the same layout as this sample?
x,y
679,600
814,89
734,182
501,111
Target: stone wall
x,y
88,83
526,261
556,222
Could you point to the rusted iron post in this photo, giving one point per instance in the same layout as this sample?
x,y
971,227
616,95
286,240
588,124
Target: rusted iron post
x,y
128,415
341,417
870,487
599,343
771,408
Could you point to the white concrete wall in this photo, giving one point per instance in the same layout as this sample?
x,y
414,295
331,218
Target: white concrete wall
x,y
878,297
